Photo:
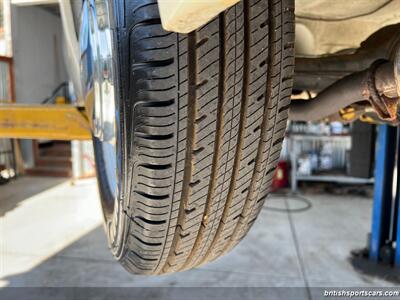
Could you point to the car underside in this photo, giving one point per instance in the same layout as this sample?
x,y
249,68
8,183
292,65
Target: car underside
x,y
340,38
334,39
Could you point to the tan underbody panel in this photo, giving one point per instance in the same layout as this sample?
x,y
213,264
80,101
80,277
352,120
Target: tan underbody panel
x,y
329,26
187,15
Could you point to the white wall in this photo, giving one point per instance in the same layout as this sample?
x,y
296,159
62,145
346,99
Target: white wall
x,y
38,60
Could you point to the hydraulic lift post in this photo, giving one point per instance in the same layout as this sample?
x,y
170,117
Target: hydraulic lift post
x,y
384,219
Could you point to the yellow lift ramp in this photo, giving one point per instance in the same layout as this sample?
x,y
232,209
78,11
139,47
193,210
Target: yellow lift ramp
x,y
55,122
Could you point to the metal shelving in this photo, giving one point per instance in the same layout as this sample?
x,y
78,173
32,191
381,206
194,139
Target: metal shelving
x,y
294,141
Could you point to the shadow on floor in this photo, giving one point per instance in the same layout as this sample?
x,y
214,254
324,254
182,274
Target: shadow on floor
x,y
27,187
86,270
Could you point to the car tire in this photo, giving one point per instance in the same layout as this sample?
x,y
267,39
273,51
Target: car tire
x,y
202,117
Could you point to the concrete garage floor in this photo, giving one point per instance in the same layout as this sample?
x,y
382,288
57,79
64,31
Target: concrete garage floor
x,y
51,235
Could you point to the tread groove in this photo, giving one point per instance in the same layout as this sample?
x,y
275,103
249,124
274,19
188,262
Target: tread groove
x,y
192,95
218,139
242,124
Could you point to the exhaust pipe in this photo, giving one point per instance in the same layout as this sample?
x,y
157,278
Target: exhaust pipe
x,y
377,85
